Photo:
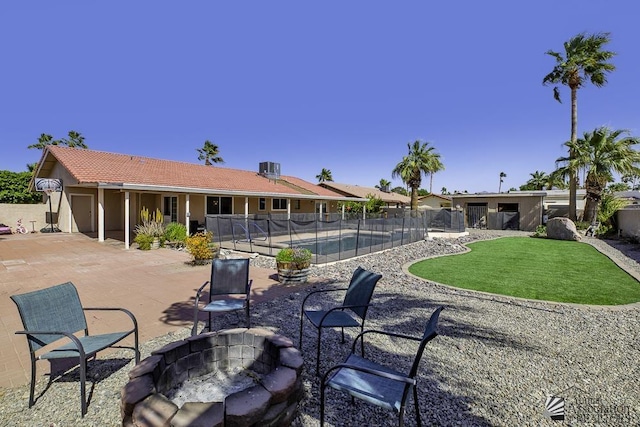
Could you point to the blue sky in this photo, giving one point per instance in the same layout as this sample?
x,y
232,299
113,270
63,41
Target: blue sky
x,y
342,85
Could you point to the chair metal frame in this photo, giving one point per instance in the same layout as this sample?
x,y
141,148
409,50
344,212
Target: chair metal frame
x,y
229,277
368,372
362,285
61,315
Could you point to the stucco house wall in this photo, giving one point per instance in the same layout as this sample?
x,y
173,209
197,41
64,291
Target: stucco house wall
x,y
529,207
628,222
433,202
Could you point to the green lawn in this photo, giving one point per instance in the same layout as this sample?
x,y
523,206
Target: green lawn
x,y
542,269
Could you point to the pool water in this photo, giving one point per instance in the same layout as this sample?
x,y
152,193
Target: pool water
x,y
336,245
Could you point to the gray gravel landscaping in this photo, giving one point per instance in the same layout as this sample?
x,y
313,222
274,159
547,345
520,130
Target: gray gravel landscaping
x,y
494,363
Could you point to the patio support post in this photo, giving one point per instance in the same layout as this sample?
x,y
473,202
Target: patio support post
x,y
288,208
343,211
100,214
126,219
246,207
187,215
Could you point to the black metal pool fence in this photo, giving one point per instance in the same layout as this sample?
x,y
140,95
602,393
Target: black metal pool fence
x,y
329,238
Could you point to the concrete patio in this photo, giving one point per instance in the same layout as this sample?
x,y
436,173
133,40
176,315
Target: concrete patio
x,y
157,286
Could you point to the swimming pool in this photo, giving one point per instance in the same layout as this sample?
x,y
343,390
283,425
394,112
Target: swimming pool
x,y
335,245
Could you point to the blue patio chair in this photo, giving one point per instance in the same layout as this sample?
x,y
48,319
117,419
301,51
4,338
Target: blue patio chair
x,y
356,300
229,279
55,313
375,383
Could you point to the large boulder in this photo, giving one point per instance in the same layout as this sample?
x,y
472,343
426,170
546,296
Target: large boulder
x,y
562,229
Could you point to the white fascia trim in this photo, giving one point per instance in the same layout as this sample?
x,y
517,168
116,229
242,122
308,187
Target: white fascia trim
x,y
169,189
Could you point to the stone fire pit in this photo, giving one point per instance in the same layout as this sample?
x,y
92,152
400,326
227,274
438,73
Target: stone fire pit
x,y
271,402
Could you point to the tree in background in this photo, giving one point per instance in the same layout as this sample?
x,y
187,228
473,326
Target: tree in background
x,y
210,153
383,184
538,181
502,177
633,180
584,59
444,191
420,159
324,175
618,186
600,154
374,204
14,188
400,190
74,140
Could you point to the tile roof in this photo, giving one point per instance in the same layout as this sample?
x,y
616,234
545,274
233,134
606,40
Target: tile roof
x,y
438,196
358,191
93,167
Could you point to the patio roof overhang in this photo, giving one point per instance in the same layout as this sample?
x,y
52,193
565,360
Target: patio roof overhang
x,y
213,191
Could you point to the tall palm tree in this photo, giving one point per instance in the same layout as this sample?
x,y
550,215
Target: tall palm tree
x,y
420,159
502,177
324,175
435,166
600,154
584,59
210,153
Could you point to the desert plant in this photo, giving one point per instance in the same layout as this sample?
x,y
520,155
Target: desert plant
x,y
153,229
175,232
144,241
541,231
296,258
200,246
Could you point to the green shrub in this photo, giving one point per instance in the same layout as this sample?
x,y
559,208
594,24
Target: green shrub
x,y
175,232
541,231
582,225
144,241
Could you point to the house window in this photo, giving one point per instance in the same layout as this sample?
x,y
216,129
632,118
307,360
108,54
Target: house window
x,y
219,205
297,205
279,204
262,204
170,209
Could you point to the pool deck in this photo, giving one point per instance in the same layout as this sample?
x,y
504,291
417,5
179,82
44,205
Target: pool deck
x,y
158,286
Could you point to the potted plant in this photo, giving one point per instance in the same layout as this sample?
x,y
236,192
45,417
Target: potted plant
x,y
293,265
150,234
175,235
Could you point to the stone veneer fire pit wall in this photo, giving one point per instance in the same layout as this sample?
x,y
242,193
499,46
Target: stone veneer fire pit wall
x,y
272,402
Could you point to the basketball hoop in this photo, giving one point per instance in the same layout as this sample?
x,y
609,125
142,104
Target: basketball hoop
x,y
48,186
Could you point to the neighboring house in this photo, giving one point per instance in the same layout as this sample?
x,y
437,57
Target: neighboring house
x,y
522,210
392,200
105,191
556,202
434,201
631,196
518,210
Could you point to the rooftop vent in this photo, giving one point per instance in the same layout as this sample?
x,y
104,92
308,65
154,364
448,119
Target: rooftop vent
x,y
384,188
269,170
